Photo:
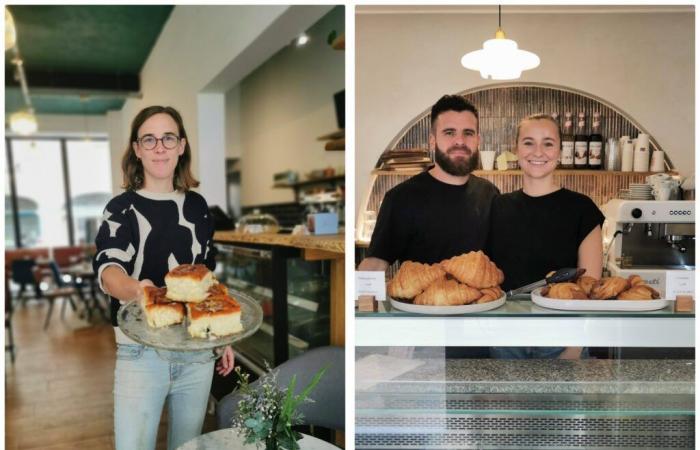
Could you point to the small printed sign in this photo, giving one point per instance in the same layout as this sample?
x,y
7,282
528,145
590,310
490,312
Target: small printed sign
x,y
680,283
371,284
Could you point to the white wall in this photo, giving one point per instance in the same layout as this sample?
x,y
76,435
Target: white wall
x,y
641,61
196,44
285,105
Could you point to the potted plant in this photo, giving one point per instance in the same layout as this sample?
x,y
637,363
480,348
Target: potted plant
x,y
267,412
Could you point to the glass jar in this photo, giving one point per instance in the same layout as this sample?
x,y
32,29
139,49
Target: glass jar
x,y
257,222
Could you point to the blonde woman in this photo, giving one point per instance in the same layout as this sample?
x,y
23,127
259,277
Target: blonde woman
x,y
543,227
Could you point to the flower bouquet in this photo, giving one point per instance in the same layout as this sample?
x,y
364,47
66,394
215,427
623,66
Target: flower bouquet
x,y
267,413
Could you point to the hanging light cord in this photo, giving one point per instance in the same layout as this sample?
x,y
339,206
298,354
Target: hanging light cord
x,y
21,77
499,17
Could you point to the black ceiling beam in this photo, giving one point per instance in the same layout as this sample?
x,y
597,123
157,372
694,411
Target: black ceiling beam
x,y
86,81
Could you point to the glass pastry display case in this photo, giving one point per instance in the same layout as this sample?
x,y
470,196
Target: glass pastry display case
x,y
416,398
294,295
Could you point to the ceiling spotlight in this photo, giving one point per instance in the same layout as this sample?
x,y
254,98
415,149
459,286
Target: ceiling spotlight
x,y
302,39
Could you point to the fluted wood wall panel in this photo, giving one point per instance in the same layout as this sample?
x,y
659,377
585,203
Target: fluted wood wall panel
x,y
501,107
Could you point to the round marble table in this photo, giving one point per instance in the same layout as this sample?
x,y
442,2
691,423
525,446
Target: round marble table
x,y
228,438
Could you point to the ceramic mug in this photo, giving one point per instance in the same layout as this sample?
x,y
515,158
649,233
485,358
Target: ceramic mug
x,y
487,159
661,192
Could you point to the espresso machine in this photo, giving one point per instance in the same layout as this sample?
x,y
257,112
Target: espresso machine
x,y
653,239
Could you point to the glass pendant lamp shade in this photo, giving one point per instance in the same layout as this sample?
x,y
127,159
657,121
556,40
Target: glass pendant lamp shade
x,y
500,59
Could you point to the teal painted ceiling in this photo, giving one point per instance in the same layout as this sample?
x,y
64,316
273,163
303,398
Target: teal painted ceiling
x,y
81,59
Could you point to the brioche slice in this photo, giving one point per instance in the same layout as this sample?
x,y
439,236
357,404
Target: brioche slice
x,y
189,283
218,315
160,312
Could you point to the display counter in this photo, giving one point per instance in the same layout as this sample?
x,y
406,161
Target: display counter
x,y
299,281
520,322
426,401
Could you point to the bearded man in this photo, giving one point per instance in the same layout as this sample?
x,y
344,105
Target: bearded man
x,y
444,211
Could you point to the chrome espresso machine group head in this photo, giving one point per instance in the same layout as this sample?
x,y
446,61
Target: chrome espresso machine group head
x,y
653,239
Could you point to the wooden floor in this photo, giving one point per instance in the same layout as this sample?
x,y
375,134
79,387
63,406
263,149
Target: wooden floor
x,y
58,393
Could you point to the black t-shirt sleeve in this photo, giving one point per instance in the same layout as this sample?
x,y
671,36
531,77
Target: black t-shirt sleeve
x,y
591,217
385,243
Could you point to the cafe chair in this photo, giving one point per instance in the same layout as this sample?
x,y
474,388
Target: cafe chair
x,y
59,290
9,335
22,271
328,408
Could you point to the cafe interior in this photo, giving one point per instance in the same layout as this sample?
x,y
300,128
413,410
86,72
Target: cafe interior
x,y
261,93
425,378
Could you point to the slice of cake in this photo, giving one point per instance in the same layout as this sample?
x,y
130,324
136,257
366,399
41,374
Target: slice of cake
x,y
161,312
218,315
189,283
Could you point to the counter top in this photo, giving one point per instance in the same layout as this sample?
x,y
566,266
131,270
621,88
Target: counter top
x,y
334,243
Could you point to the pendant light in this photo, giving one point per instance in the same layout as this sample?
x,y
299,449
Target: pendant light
x,y
500,59
10,32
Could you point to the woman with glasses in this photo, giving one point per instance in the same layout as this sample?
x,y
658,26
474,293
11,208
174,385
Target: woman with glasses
x,y
155,225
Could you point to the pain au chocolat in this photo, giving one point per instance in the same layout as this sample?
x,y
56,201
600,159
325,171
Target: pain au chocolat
x,y
189,283
159,310
474,269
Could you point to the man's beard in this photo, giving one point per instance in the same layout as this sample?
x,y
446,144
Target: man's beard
x,y
459,167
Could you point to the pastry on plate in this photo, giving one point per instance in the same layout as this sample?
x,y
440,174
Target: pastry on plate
x,y
564,291
586,283
189,283
490,294
159,310
638,290
474,269
218,315
446,292
609,288
413,278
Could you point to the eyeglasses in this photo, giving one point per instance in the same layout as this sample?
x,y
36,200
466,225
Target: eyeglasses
x,y
149,142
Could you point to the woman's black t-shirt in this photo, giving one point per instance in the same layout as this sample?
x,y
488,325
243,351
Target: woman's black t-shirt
x,y
531,236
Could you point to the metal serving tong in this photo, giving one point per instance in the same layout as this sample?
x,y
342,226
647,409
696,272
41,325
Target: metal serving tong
x,y
559,276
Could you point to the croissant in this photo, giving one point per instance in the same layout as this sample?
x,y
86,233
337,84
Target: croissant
x,y
446,292
586,283
639,292
635,280
474,269
413,278
566,291
609,288
490,294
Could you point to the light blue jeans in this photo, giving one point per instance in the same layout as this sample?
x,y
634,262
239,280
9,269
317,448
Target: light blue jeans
x,y
143,380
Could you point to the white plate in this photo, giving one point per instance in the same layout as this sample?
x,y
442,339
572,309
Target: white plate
x,y
446,310
598,305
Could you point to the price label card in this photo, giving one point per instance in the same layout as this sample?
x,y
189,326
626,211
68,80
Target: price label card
x,y
370,283
680,283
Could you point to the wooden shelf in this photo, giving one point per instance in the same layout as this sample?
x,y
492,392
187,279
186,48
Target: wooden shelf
x,y
335,140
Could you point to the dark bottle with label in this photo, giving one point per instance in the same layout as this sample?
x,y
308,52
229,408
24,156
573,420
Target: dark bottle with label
x,y
595,145
581,143
555,118
567,144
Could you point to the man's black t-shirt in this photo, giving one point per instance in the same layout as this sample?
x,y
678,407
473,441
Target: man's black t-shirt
x,y
531,236
426,220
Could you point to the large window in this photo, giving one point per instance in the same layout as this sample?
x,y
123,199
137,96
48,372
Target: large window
x,y
61,187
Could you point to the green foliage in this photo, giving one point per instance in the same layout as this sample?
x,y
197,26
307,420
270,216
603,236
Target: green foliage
x,y
268,413
331,37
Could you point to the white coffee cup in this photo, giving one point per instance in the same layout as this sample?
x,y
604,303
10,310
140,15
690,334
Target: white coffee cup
x,y
488,157
662,192
657,161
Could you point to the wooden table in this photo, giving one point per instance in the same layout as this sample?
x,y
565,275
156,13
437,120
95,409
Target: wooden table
x,y
229,438
85,271
313,248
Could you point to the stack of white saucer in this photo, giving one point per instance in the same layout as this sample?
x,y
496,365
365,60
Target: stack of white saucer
x,y
640,191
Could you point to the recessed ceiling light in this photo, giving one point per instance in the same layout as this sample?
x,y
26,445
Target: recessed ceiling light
x,y
302,39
